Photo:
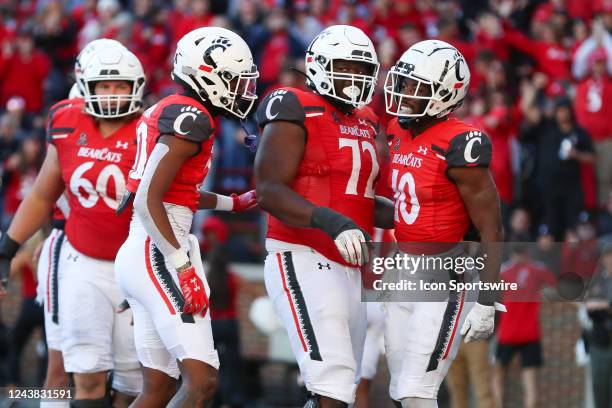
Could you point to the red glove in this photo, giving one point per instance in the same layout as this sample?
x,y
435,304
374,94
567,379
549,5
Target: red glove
x,y
244,201
194,292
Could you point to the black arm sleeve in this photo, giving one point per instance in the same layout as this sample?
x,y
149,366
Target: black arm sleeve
x,y
280,104
469,149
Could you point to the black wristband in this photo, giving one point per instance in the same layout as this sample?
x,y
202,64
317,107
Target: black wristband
x,y
8,247
331,222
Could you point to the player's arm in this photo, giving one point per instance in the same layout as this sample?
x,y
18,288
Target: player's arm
x,y
383,207
468,159
277,161
276,164
481,200
33,212
234,202
163,164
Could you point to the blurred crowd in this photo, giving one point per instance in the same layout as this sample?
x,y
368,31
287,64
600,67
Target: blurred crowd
x,y
541,88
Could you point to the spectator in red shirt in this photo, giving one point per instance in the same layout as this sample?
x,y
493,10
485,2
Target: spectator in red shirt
x,y
199,16
593,66
519,328
279,47
551,56
23,70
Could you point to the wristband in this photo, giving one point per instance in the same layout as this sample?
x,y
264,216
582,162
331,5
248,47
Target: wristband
x,y
8,247
331,222
224,203
178,259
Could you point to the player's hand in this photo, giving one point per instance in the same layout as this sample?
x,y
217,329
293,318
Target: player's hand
x,y
348,237
352,245
244,202
480,322
194,292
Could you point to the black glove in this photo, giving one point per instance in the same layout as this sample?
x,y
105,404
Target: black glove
x,y
8,249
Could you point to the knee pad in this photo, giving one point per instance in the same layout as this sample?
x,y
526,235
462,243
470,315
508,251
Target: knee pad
x,y
104,402
413,402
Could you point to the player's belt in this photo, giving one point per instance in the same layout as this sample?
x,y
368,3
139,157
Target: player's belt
x,y
125,201
58,224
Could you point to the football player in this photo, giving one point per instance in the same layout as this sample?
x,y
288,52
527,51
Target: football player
x,y
91,149
49,257
159,267
439,173
315,171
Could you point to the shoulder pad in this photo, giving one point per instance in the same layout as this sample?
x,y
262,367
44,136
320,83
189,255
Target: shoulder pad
x,y
469,149
281,104
185,122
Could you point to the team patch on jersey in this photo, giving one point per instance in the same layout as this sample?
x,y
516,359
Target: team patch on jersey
x,y
284,105
186,122
82,140
469,149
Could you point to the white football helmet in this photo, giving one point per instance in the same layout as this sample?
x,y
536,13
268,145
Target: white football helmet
x,y
86,53
430,70
342,42
217,64
112,64
75,91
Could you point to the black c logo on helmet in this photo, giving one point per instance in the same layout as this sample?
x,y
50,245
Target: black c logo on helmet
x,y
458,70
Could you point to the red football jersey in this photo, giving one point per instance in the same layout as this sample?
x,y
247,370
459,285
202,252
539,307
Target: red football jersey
x,y
428,206
521,322
94,170
185,118
59,214
338,169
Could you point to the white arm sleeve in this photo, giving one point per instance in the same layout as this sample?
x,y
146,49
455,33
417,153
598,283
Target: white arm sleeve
x,y
142,210
581,58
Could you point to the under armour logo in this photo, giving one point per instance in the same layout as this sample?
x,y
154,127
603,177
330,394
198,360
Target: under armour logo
x,y
121,145
321,265
82,141
422,150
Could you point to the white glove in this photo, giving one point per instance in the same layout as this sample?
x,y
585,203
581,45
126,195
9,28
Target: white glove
x,y
480,322
349,246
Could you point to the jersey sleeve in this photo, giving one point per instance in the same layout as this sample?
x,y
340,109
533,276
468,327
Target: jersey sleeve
x,y
469,149
52,126
186,122
283,105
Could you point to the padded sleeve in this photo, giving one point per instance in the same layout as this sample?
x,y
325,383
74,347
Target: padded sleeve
x,y
185,122
469,149
283,105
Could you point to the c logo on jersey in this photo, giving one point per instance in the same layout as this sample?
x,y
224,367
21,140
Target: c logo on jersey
x,y
187,112
473,137
276,95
